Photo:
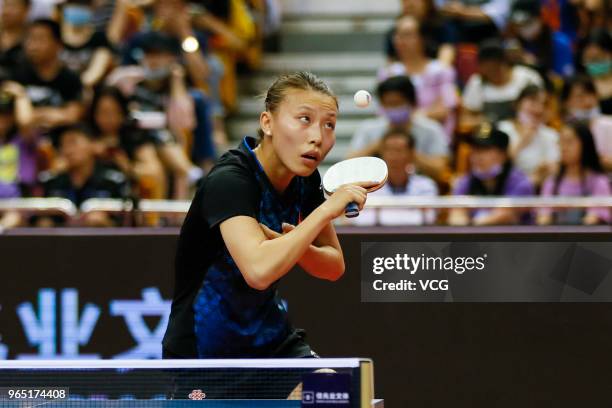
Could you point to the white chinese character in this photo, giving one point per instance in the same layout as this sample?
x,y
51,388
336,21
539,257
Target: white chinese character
x,y
41,330
148,342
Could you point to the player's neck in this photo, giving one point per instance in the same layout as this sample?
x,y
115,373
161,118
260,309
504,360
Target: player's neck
x,y
275,170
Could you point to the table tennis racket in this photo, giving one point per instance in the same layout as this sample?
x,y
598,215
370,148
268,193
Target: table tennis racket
x,y
358,170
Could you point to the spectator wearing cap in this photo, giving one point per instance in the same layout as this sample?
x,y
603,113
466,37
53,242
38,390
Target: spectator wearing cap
x,y
55,91
398,102
491,93
597,60
580,102
13,20
179,118
534,147
83,178
86,50
580,174
435,82
547,50
492,174
397,150
18,169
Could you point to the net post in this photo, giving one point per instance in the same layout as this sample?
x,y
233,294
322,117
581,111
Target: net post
x,y
366,368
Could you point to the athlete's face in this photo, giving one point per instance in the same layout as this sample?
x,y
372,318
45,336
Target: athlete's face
x,y
302,129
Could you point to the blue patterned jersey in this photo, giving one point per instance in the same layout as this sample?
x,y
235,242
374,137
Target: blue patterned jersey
x,y
214,312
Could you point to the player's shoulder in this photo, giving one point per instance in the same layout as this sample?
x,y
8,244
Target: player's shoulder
x,y
232,163
231,173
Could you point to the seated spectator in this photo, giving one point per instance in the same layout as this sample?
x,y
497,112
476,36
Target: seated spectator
x,y
17,148
474,20
160,101
534,147
125,147
548,51
398,101
581,103
54,90
437,94
13,20
159,84
490,94
177,19
83,178
397,150
86,51
436,37
492,174
580,174
597,59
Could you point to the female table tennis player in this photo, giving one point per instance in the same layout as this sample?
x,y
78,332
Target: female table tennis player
x,y
259,212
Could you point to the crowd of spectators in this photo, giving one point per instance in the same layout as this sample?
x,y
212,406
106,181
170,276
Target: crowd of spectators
x,y
128,98
119,98
495,98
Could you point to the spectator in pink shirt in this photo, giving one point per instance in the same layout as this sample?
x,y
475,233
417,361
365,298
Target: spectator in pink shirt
x,y
580,174
434,81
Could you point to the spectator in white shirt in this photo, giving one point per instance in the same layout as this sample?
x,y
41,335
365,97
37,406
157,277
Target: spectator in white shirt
x,y
397,150
490,94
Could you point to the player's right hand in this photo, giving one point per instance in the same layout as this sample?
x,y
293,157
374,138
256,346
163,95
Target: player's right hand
x,y
348,193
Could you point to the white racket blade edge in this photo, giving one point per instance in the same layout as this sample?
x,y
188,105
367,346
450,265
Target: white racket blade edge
x,y
358,170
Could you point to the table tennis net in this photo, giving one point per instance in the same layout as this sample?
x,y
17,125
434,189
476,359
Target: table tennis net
x,y
131,383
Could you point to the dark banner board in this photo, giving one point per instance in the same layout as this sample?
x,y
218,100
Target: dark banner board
x,y
106,294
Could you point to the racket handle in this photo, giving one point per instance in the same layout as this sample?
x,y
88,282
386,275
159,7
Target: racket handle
x,y
352,210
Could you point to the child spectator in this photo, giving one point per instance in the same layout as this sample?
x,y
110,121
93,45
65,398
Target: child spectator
x,y
534,147
580,174
492,174
397,97
437,94
397,150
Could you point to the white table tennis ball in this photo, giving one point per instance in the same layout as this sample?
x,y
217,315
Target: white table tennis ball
x,y
362,98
